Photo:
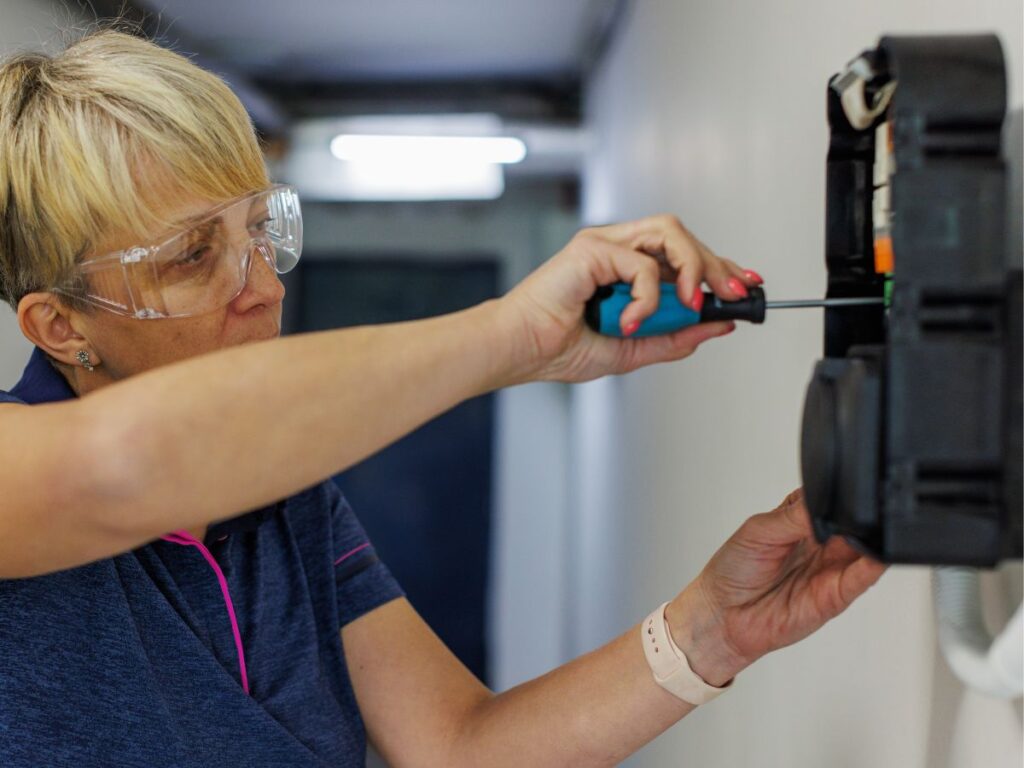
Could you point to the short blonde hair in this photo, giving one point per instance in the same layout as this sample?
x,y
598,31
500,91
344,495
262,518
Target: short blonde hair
x,y
95,140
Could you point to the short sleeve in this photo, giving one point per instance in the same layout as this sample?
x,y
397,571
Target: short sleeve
x,y
6,398
362,581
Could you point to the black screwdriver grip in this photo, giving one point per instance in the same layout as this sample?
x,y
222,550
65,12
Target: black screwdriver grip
x,y
750,309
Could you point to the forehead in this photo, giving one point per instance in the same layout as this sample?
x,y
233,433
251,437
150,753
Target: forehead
x,y
191,212
178,212
174,200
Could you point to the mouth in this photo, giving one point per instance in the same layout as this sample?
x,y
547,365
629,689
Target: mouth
x,y
263,324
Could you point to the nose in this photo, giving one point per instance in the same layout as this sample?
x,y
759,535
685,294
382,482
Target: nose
x,y
262,285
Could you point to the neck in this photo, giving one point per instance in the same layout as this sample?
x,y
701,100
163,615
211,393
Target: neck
x,y
81,381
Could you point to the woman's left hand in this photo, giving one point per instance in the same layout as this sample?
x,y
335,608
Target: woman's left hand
x,y
771,584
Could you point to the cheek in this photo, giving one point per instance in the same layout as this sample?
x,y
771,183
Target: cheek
x,y
134,346
193,336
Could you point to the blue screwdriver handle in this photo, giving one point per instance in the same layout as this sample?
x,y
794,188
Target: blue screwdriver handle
x,y
603,311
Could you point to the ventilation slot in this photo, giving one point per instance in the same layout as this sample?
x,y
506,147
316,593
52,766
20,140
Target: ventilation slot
x,y
960,315
959,487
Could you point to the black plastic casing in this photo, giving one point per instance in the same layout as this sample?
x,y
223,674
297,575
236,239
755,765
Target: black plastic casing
x,y
911,443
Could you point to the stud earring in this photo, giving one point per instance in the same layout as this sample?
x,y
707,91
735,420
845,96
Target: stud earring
x,y
83,357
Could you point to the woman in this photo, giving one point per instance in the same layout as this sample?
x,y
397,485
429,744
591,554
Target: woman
x,y
146,617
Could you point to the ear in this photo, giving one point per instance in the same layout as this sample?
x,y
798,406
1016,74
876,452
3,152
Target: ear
x,y
46,322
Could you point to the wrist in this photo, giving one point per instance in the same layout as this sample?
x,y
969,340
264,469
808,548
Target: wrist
x,y
518,350
505,346
699,632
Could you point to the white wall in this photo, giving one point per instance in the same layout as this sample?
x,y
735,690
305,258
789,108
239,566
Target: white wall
x,y
25,24
529,574
716,111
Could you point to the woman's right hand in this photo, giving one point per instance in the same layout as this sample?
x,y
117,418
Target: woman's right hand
x,y
545,311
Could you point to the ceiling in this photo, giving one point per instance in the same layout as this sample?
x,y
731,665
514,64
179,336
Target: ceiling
x,y
394,40
520,59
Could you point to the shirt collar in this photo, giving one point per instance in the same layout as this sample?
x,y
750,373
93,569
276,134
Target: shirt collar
x,y
41,382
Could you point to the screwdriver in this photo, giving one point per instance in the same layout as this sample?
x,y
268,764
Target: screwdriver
x,y
604,309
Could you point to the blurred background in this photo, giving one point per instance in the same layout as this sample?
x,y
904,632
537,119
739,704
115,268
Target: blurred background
x,y
536,524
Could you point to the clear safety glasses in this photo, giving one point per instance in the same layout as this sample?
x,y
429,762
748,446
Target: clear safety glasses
x,y
201,268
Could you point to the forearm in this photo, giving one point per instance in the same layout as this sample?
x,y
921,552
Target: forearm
x,y
768,586
594,711
220,434
600,708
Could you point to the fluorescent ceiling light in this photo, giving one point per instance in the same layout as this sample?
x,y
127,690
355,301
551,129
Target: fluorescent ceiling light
x,y
422,179
462,150
402,157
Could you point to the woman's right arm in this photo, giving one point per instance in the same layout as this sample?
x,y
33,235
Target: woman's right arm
x,y
210,437
190,443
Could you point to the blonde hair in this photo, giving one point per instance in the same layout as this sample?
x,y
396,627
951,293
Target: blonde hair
x,y
97,140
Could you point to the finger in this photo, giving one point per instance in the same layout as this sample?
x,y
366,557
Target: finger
x,y
682,251
727,281
732,267
796,496
786,524
666,272
795,513
858,577
693,261
665,235
646,293
625,232
673,346
748,277
610,262
668,238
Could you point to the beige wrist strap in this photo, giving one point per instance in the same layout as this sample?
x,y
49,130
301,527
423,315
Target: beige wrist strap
x,y
669,665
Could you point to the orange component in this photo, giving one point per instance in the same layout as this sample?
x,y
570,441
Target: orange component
x,y
884,260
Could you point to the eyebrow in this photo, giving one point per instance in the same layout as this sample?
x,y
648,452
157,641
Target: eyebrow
x,y
199,227
190,220
196,218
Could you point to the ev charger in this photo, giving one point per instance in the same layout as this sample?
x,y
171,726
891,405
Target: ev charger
x,y
911,441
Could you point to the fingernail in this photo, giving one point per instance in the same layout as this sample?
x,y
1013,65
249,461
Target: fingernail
x,y
737,287
630,329
753,276
697,302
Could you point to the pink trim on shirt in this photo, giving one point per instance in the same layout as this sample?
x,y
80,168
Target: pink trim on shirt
x,y
349,554
187,539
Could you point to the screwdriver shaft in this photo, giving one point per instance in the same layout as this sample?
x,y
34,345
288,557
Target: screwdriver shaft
x,y
851,302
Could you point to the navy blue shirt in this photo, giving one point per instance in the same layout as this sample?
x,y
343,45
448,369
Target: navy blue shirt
x,y
136,660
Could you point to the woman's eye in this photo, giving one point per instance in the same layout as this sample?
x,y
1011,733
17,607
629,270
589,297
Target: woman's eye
x,y
189,260
261,225
193,257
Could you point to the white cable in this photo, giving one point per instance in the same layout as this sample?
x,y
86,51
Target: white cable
x,y
850,83
1007,652
994,667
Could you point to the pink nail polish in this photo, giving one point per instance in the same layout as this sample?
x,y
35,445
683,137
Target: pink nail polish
x,y
630,329
753,276
698,300
737,287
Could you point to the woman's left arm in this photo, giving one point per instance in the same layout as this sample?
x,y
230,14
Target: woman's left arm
x,y
770,585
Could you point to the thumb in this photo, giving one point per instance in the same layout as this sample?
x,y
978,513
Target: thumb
x,y
786,524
